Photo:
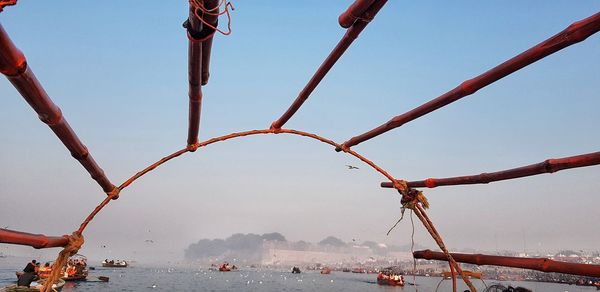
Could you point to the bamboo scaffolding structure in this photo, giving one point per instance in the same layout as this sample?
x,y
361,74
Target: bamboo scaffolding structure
x,y
538,264
33,240
573,34
14,66
547,166
349,37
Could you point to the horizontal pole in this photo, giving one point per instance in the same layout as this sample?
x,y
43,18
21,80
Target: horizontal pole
x,y
33,240
547,166
14,66
538,264
351,34
573,34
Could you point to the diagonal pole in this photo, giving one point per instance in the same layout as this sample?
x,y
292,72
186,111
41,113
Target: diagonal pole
x,y
14,66
351,34
573,34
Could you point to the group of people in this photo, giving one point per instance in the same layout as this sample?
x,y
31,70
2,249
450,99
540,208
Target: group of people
x,y
33,272
75,267
390,278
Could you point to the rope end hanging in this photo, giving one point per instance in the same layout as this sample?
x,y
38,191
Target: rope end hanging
x,y
75,242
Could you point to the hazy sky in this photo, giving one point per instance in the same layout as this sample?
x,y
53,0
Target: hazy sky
x,y
118,70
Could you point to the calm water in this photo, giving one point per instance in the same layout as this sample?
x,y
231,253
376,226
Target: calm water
x,y
191,279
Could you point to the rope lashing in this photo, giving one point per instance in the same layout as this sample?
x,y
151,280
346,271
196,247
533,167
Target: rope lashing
x,y
75,243
199,7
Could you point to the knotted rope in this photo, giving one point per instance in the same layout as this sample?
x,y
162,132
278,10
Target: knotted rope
x,y
199,7
75,243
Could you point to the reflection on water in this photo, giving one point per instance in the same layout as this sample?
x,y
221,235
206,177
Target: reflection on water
x,y
197,279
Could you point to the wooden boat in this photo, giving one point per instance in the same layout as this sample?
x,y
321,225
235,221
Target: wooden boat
x,y
296,270
112,264
326,271
390,280
14,288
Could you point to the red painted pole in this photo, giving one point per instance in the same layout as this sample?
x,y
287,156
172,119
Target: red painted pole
x,y
33,240
573,34
351,34
354,12
194,77
200,38
14,66
212,19
538,264
547,166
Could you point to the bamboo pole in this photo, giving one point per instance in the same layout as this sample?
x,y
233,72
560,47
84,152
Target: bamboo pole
x,y
573,34
354,12
547,166
538,264
351,34
14,66
194,26
200,34
33,240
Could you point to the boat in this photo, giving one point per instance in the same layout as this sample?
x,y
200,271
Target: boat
x,y
113,264
390,279
227,268
296,270
14,288
359,270
326,271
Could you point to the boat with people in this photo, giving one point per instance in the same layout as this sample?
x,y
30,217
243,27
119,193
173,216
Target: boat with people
x,y
326,271
225,267
75,270
391,276
114,264
35,286
296,270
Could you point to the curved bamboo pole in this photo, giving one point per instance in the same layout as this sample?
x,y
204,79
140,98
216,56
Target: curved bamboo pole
x,y
573,34
538,264
547,166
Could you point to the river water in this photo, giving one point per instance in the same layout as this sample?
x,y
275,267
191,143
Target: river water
x,y
138,278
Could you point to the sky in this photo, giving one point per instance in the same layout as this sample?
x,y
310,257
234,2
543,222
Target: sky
x,y
118,71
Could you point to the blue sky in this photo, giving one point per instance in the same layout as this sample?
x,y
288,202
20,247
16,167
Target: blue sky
x,y
118,70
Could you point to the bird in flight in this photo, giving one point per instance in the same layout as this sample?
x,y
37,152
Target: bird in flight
x,y
351,167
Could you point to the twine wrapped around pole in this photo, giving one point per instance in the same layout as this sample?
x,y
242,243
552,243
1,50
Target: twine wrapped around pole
x,y
75,242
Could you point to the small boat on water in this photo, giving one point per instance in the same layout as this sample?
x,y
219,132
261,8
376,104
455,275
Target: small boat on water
x,y
390,280
33,288
391,276
326,271
227,268
296,270
359,270
114,264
